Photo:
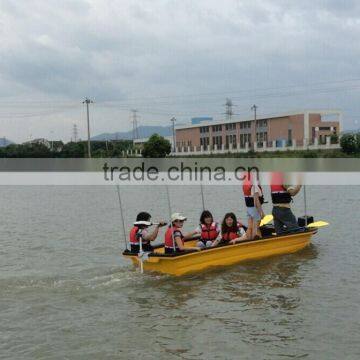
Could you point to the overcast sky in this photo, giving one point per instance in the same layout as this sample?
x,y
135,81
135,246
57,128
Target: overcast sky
x,y
172,58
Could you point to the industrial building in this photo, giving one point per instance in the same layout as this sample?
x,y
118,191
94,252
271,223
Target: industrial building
x,y
293,130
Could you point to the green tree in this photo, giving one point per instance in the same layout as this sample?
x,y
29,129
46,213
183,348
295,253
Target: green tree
x,y
26,151
357,136
349,144
73,150
156,147
334,139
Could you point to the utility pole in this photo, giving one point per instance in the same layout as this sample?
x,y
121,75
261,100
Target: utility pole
x,y
135,124
87,102
52,140
75,132
254,108
173,133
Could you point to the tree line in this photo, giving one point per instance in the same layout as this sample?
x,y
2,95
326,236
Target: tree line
x,y
157,146
78,149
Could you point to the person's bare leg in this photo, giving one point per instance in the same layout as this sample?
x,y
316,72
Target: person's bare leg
x,y
249,232
257,229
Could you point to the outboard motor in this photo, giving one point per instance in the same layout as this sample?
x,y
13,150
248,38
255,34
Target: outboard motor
x,y
305,220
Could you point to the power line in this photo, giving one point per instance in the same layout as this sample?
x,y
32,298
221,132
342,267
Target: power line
x,y
246,90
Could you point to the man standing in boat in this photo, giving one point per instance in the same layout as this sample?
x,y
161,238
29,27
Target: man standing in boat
x,y
281,195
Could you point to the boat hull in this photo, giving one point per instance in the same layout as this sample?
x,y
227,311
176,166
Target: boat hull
x,y
224,255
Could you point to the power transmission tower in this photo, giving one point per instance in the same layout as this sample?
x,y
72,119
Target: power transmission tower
x,y
229,109
87,102
135,124
75,132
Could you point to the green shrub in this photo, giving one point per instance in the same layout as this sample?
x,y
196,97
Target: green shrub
x,y
334,139
349,143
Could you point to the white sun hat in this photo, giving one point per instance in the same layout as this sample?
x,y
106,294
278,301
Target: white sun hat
x,y
177,216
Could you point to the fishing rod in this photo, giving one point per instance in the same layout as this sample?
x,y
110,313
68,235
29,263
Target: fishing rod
x,y
305,207
122,216
202,196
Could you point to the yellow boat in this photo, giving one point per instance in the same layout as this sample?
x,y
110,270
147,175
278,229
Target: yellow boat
x,y
222,255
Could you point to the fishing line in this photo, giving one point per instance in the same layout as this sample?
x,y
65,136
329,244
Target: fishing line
x,y
169,207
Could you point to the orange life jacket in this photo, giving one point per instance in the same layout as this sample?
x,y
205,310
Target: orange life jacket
x,y
209,232
135,234
249,199
232,234
169,240
279,194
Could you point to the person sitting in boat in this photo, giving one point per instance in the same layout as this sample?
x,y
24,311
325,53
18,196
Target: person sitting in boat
x,y
174,237
254,199
139,233
208,229
232,230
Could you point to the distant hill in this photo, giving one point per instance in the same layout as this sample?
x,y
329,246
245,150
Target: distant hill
x,y
5,142
354,131
144,131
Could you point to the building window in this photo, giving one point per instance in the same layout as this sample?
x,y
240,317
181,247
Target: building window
x,y
204,142
217,140
261,136
289,134
204,129
216,128
230,140
245,138
245,125
229,127
261,123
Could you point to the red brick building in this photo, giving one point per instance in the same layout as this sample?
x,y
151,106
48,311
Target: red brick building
x,y
294,129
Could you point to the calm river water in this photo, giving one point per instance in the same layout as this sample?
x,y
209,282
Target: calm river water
x,y
66,292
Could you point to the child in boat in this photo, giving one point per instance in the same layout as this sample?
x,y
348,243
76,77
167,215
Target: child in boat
x,y
208,229
232,230
174,237
139,233
254,199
